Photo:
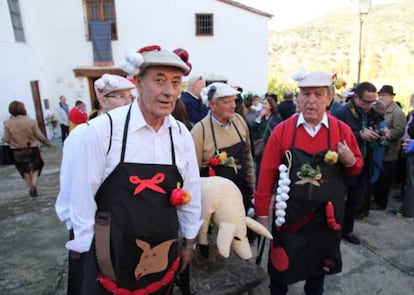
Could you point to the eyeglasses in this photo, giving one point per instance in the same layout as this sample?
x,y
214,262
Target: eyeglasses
x,y
367,102
123,97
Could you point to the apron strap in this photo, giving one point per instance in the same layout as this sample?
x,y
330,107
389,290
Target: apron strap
x,y
110,136
102,243
292,143
237,130
214,135
212,132
335,133
124,139
172,146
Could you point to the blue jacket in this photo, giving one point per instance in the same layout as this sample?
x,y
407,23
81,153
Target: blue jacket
x,y
354,118
195,108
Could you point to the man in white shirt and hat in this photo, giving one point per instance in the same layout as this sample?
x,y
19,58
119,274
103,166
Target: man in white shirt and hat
x,y
131,202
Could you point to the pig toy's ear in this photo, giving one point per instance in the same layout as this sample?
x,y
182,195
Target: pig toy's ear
x,y
144,246
225,236
258,228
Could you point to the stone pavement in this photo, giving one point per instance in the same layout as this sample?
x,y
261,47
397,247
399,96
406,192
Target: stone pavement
x,y
33,258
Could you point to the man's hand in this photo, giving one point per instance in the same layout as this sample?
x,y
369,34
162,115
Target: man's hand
x,y
186,257
387,133
369,135
186,253
345,155
406,142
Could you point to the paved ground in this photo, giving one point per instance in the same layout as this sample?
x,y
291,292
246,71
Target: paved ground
x,y
33,259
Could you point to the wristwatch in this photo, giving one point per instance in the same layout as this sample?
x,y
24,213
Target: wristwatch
x,y
189,246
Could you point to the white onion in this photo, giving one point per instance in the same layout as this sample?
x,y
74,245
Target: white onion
x,y
280,213
283,168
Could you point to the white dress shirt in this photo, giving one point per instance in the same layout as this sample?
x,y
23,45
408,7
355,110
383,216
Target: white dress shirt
x,y
68,167
143,145
312,131
62,116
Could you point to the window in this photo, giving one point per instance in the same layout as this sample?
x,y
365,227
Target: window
x,y
101,10
204,24
16,20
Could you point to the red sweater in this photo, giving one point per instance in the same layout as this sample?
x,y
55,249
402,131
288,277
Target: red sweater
x,y
280,140
77,117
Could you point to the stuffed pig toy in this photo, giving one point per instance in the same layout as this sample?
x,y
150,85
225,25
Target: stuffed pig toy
x,y
222,203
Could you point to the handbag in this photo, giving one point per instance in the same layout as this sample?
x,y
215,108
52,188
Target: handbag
x,y
6,154
259,144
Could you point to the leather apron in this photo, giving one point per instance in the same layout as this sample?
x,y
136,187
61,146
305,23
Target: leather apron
x,y
137,198
240,177
305,246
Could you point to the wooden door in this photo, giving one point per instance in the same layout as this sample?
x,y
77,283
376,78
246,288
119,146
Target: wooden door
x,y
38,106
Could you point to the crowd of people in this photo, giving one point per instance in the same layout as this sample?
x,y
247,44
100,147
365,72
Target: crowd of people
x,y
306,166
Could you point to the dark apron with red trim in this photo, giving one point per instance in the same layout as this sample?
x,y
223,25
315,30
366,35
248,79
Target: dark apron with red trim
x,y
137,198
305,246
240,177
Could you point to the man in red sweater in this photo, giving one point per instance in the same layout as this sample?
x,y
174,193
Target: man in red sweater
x,y
77,115
306,159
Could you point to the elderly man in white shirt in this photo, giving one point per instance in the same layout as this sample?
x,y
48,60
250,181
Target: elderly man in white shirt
x,y
130,204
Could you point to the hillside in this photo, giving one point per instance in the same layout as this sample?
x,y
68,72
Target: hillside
x,y
330,44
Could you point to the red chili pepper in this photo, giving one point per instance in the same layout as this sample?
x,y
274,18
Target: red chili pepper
x,y
140,292
108,284
330,217
211,171
122,291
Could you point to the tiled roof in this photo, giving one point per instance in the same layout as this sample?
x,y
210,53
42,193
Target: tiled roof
x,y
248,8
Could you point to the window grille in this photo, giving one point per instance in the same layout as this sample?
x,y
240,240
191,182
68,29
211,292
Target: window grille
x,y
204,24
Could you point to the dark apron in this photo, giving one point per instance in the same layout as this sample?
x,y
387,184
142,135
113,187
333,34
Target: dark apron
x,y
305,246
240,177
137,198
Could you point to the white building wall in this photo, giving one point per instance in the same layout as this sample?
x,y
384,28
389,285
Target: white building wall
x,y
19,66
58,36
56,44
237,51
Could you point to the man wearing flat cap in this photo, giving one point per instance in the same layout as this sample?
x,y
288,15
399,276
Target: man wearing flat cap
x,y
224,132
306,159
139,185
395,119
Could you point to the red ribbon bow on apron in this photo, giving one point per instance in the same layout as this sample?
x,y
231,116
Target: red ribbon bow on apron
x,y
148,183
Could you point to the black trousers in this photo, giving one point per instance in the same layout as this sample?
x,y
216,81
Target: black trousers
x,y
357,187
64,129
75,274
382,187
